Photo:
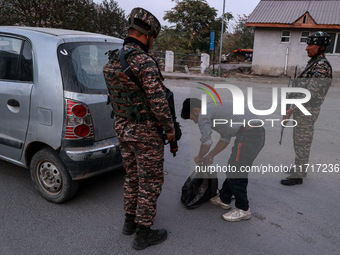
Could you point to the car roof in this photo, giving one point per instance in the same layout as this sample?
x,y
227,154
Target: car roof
x,y
64,34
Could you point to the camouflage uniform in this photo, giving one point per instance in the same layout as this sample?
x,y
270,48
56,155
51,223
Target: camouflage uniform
x,y
317,79
140,142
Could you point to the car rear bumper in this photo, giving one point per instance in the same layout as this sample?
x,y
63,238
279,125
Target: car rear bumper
x,y
84,162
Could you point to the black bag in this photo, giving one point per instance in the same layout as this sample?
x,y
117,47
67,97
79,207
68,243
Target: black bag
x,y
197,190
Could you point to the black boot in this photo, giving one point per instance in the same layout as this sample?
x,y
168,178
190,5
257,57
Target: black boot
x,y
145,237
130,225
292,180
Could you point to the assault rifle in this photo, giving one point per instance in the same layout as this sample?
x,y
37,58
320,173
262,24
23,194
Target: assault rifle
x,y
288,105
178,132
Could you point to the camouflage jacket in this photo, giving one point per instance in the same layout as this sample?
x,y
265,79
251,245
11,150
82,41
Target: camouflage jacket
x,y
147,71
317,78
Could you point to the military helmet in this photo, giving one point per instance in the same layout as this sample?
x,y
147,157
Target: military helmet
x,y
319,38
146,17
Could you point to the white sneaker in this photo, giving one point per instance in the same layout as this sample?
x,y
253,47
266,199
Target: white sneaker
x,y
217,201
237,215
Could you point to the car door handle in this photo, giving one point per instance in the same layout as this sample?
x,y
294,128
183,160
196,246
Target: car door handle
x,y
13,102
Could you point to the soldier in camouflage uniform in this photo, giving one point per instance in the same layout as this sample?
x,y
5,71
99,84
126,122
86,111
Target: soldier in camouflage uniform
x,y
317,78
140,110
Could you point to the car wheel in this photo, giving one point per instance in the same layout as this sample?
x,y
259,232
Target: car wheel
x,y
51,177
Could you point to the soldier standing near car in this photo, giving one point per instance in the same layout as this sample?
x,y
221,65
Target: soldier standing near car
x,y
140,110
317,78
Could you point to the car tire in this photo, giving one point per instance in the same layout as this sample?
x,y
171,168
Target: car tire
x,y
51,177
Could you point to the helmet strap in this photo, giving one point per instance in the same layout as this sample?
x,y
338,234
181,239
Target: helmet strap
x,y
143,31
148,42
321,51
134,26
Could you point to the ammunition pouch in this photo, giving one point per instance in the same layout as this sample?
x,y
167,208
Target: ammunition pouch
x,y
130,105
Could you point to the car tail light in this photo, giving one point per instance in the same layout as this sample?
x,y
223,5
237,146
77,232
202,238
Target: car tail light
x,y
79,124
79,110
82,130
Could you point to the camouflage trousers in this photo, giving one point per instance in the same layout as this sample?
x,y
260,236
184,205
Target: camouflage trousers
x,y
143,163
303,137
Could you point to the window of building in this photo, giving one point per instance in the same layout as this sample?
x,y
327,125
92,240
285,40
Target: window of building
x,y
15,59
303,38
337,48
285,36
334,46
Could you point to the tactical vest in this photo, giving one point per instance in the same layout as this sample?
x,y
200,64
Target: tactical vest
x,y
125,102
320,59
308,75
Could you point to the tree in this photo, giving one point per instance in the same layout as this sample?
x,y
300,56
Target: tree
x,y
241,38
71,14
111,19
194,20
106,18
169,39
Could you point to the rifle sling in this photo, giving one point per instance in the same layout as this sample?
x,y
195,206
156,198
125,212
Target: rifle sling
x,y
127,68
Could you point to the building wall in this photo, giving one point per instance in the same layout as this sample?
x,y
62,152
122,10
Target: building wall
x,y
269,56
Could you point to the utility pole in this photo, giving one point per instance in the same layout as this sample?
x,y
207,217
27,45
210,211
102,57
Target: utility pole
x,y
221,43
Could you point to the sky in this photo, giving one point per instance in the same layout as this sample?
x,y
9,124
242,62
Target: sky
x,y
158,7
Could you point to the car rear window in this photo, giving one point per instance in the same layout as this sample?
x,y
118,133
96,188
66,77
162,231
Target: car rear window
x,y
82,65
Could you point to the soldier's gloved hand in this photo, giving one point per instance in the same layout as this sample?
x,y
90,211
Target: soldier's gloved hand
x,y
170,136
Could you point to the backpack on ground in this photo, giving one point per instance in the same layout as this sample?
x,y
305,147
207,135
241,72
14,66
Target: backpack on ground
x,y
199,188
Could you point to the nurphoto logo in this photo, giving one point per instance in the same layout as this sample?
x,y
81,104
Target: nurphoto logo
x,y
239,103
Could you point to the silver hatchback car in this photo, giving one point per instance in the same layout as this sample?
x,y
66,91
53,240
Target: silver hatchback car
x,y
54,114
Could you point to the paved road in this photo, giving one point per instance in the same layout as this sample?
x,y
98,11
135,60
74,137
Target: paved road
x,y
303,219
